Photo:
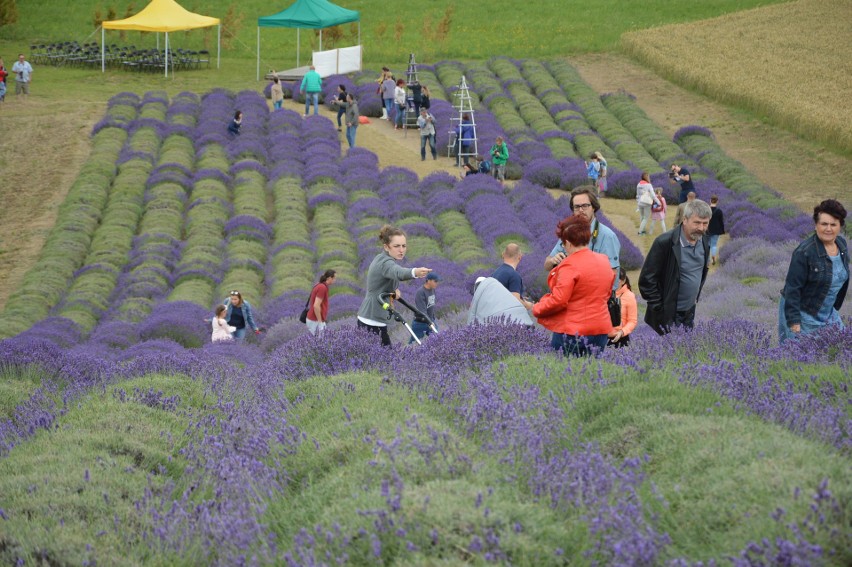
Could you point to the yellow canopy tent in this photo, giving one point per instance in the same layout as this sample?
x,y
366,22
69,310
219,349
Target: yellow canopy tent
x,y
162,16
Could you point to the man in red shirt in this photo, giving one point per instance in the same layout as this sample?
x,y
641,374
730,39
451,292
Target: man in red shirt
x,y
318,303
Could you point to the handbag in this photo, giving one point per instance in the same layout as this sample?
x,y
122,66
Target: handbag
x,y
303,316
646,199
614,306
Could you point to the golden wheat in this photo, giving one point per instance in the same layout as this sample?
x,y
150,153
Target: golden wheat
x,y
790,63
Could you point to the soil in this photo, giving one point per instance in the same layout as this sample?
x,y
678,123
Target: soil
x,y
802,171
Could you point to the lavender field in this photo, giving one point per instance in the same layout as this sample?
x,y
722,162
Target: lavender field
x,y
126,438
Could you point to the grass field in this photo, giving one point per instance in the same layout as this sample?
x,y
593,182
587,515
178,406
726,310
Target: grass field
x,y
390,30
120,446
790,64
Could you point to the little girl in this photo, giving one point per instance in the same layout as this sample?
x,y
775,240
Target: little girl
x,y
221,330
658,213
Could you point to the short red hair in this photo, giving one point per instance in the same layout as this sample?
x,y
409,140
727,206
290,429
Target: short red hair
x,y
574,229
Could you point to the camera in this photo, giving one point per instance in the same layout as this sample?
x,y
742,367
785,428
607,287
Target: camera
x,y
672,174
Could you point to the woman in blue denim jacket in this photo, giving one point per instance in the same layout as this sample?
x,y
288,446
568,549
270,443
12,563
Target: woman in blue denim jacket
x,y
818,276
239,315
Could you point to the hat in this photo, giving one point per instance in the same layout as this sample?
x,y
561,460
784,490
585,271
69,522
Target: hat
x,y
433,276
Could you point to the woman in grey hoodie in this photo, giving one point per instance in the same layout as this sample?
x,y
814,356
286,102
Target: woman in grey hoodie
x,y
383,277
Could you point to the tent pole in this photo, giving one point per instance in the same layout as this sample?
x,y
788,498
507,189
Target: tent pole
x,y
219,45
258,54
103,51
158,41
360,49
320,41
167,54
298,46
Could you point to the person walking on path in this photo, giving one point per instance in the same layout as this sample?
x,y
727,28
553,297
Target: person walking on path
x,y
426,123
277,94
383,277
818,277
602,184
658,211
424,301
340,101
388,89
318,304
716,228
399,96
353,117
593,170
311,87
645,199
3,75
23,75
675,270
499,153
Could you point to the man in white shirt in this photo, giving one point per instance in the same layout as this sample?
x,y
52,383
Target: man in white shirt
x,y
23,75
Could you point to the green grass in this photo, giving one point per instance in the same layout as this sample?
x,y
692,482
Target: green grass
x,y
389,30
54,511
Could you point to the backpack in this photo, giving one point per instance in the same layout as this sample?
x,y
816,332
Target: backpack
x,y
485,167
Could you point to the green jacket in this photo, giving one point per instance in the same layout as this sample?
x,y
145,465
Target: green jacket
x,y
311,82
499,155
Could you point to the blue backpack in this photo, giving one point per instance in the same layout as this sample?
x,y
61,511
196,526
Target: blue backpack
x,y
485,167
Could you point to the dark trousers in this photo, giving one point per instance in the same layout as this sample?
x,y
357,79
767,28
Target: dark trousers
x,y
578,346
685,318
340,112
381,331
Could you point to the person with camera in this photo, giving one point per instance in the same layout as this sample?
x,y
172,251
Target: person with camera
x,y
23,75
681,175
426,123
499,153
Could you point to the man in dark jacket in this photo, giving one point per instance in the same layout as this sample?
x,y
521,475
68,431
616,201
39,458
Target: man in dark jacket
x,y
675,270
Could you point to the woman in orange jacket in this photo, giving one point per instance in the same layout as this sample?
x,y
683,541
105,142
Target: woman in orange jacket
x,y
576,307
620,336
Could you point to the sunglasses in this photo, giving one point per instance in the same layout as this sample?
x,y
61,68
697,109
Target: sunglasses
x,y
234,292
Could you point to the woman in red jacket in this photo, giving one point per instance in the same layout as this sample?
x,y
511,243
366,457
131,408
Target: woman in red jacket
x,y
575,309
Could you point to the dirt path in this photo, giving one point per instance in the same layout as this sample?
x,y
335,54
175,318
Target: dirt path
x,y
44,145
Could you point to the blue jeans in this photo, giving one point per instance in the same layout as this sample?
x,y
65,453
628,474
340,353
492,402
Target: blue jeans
x,y
400,114
388,106
340,112
714,244
572,345
350,135
431,138
277,104
239,334
312,97
420,329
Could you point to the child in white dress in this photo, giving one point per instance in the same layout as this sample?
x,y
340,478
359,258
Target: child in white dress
x,y
221,330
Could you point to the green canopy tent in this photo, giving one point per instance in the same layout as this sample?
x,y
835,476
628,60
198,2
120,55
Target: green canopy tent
x,y
308,14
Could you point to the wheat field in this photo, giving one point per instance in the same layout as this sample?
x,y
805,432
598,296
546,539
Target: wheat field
x,y
790,64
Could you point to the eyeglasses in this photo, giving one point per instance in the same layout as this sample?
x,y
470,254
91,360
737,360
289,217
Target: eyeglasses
x,y
578,208
234,292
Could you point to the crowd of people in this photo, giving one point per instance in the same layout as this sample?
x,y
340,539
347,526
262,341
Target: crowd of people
x,y
591,303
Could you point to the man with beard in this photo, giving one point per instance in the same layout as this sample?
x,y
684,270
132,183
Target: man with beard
x,y
675,270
